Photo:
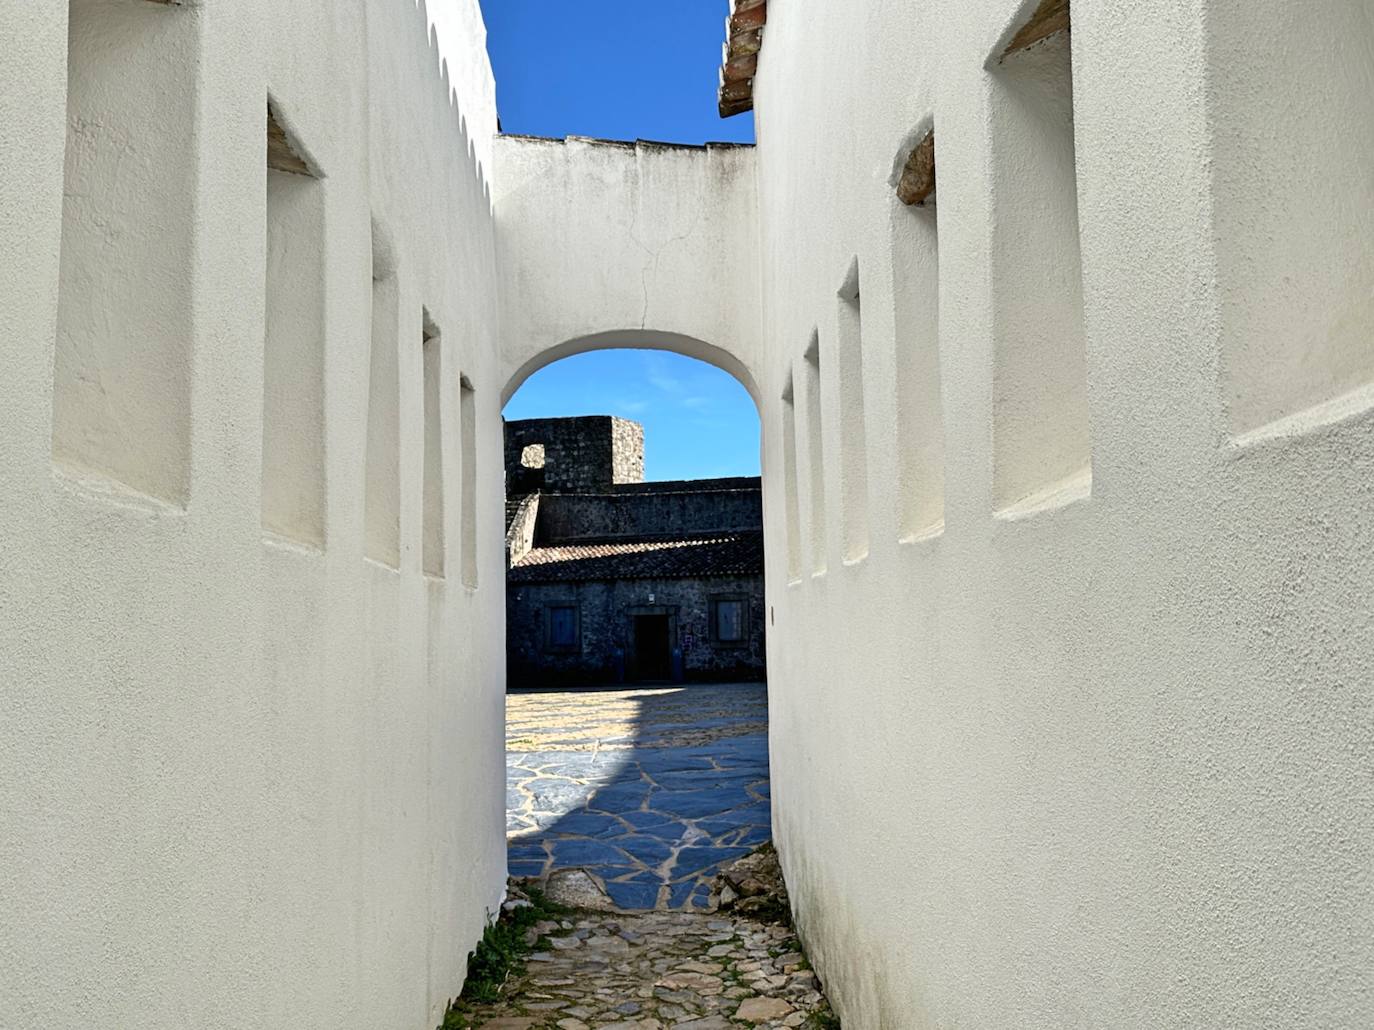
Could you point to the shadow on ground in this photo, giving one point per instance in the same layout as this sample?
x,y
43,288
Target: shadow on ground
x,y
652,791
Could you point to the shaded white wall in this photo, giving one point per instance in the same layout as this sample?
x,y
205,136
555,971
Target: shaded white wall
x,y
626,245
243,783
1107,764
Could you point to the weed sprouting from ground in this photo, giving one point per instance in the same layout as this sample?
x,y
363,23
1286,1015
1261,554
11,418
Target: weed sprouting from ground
x,y
500,954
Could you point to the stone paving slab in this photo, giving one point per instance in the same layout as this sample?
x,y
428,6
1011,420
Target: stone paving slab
x,y
653,971
651,791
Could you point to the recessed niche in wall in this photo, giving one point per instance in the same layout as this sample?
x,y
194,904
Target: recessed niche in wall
x,y
815,453
1294,210
432,539
123,361
293,458
791,499
467,407
1042,455
916,296
383,491
853,436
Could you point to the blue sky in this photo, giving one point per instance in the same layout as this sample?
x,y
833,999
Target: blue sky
x,y
611,69
699,422
620,70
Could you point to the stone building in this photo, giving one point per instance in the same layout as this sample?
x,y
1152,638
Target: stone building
x,y
613,580
1058,316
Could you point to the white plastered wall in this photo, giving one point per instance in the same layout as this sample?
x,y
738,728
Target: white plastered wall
x,y
626,245
246,783
1108,764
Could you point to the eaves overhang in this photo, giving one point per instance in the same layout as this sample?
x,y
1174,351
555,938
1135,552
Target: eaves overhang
x,y
740,60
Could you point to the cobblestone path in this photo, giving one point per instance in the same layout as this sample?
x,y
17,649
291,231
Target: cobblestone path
x,y
661,970
651,791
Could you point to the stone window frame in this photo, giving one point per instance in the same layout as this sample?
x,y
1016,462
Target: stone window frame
x,y
714,621
576,646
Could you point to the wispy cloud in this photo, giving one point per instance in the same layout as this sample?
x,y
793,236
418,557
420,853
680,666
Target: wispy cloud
x,y
633,407
696,403
657,372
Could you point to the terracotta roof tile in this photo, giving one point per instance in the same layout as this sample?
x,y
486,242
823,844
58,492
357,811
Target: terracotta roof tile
x,y
720,554
739,62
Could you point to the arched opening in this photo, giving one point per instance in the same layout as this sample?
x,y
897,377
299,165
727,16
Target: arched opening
x,y
635,339
637,750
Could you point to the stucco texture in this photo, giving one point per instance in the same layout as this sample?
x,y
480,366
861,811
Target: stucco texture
x,y
245,781
1108,765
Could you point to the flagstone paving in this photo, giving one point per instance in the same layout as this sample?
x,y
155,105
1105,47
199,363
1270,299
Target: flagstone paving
x,y
659,970
651,791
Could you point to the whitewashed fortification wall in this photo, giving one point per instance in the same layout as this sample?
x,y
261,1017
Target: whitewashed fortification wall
x,y
1071,695
250,753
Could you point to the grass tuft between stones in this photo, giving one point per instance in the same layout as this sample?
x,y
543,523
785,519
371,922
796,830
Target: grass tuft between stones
x,y
499,954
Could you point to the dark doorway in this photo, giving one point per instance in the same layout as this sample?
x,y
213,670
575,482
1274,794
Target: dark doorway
x,y
652,655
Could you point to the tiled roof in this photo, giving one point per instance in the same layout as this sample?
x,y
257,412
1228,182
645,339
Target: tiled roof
x,y
691,486
740,61
719,554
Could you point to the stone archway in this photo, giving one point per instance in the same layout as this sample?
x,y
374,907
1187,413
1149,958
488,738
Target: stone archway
x,y
622,339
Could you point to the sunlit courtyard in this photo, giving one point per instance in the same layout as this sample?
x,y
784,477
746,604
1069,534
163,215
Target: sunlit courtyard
x,y
649,790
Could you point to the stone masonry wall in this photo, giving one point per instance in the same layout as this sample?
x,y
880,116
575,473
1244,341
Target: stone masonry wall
x,y
627,451
605,625
593,452
566,518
